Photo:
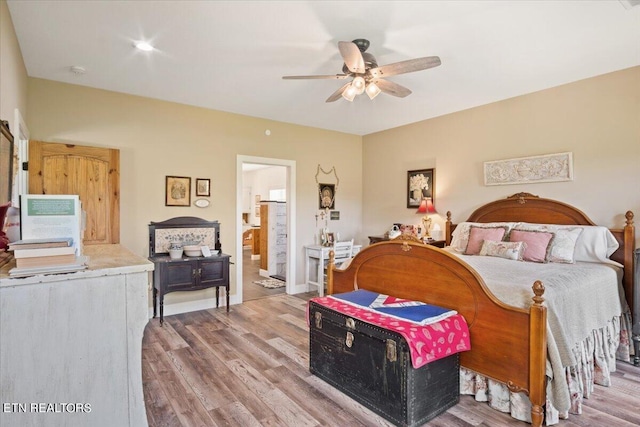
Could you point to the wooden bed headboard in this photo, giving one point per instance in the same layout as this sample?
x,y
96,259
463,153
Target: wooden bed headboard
x,y
526,207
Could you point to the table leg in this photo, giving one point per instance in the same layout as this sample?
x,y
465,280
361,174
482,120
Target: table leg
x,y
307,261
155,301
226,289
217,295
320,275
161,308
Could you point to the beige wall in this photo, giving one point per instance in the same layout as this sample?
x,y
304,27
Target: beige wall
x,y
597,119
157,138
13,74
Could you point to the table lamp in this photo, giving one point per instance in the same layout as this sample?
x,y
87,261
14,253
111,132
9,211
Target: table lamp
x,y
426,206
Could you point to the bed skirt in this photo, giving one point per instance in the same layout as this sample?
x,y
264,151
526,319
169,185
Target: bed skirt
x,y
597,356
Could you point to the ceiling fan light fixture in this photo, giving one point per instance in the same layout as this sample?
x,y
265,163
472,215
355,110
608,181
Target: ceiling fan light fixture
x,y
358,84
367,76
372,90
349,93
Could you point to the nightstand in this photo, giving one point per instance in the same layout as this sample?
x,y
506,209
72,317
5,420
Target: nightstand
x,y
436,243
377,239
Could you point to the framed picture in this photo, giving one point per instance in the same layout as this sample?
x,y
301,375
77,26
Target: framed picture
x,y
420,184
331,239
202,187
327,193
334,215
177,191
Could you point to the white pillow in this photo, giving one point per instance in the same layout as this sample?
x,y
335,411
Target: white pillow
x,y
596,244
460,236
593,243
564,242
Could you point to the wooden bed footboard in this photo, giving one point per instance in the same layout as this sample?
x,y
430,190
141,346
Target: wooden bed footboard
x,y
508,343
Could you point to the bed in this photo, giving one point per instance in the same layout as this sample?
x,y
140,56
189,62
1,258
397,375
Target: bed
x,y
509,343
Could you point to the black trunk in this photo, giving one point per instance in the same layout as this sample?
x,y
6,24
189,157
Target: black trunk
x,y
372,365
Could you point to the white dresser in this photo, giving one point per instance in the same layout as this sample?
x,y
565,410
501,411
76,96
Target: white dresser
x,y
75,339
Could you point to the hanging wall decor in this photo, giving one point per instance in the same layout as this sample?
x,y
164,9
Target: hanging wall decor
x,y
327,196
327,192
420,184
177,191
533,169
203,187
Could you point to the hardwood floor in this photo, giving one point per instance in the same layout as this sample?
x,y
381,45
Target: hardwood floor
x,y
250,273
249,367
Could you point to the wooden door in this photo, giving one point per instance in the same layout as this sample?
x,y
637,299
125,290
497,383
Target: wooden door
x,y
92,173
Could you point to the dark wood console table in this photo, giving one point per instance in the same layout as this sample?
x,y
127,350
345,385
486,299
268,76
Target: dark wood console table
x,y
186,273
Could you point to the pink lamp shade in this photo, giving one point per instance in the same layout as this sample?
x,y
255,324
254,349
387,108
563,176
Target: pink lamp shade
x,y
426,206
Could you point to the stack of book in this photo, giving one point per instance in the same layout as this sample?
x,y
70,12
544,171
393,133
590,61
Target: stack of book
x,y
44,256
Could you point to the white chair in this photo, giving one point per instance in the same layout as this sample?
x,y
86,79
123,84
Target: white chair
x,y
342,252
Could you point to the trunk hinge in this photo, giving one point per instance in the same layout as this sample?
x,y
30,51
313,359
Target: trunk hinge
x,y
318,319
392,355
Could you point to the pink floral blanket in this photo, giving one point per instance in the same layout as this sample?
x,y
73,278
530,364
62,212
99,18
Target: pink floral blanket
x,y
427,342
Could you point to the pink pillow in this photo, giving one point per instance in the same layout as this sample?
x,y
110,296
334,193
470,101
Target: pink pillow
x,y
477,235
538,244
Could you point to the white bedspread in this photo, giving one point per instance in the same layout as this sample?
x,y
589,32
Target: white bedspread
x,y
579,297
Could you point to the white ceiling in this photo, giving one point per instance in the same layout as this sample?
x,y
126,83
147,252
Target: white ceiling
x,y
231,55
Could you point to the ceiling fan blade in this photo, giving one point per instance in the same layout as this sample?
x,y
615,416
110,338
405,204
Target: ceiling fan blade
x,y
408,66
337,94
330,76
352,57
392,88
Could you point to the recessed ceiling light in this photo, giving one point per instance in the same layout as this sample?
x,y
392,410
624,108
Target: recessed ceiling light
x,y
143,46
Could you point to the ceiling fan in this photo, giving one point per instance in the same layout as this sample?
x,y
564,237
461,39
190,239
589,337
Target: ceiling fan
x,y
366,75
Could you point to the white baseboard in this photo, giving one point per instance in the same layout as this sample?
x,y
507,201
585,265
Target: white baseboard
x,y
301,288
255,257
264,273
208,303
189,306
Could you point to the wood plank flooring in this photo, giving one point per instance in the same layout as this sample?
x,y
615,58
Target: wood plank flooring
x,y
251,273
249,367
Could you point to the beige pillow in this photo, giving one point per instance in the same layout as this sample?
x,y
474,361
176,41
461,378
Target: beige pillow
x,y
507,250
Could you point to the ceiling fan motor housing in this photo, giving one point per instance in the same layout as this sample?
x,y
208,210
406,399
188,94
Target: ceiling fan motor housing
x,y
369,59
363,44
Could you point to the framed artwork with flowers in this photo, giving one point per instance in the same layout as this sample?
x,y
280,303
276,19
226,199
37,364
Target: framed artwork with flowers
x,y
420,184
